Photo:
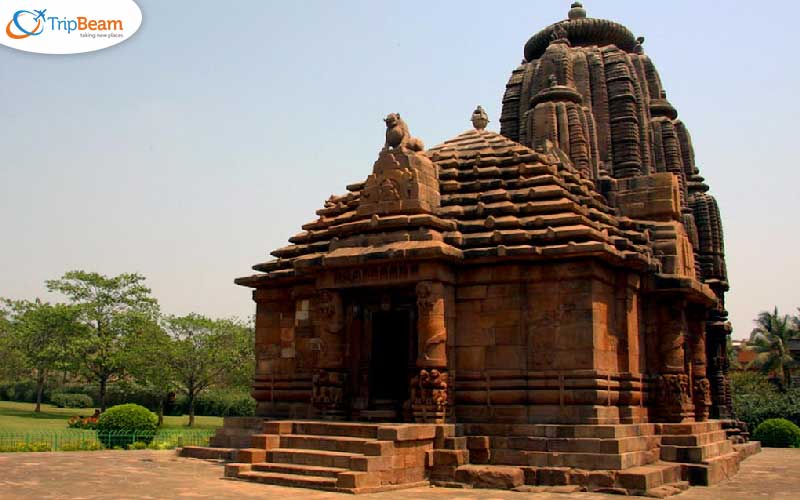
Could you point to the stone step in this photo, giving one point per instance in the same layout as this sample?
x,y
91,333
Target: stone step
x,y
577,445
343,429
691,427
694,439
616,431
292,480
208,453
322,458
711,471
302,470
326,443
650,476
747,449
695,454
588,461
319,458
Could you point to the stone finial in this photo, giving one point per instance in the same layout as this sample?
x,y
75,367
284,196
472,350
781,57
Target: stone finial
x,y
479,118
576,11
638,49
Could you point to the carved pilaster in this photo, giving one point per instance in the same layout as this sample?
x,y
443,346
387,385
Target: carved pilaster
x,y
701,388
718,370
431,326
330,317
430,390
673,391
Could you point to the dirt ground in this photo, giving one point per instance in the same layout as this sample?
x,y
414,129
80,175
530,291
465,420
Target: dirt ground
x,y
772,474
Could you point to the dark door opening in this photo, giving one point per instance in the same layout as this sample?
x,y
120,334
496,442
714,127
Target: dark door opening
x,y
389,360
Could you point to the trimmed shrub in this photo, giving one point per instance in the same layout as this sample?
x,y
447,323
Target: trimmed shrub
x,y
777,433
63,400
122,425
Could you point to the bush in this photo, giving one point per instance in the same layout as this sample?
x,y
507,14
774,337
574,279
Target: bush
x,y
63,400
219,403
122,425
78,422
777,433
755,408
24,392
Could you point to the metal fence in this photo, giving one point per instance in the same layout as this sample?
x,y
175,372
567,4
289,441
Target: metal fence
x,y
87,440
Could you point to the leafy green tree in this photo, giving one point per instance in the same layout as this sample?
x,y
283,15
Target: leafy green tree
x,y
205,352
13,364
44,334
148,358
113,308
770,340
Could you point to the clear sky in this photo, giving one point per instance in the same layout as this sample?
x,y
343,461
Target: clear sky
x,y
190,151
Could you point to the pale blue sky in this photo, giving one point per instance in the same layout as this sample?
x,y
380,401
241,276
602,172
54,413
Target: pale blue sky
x,y
190,151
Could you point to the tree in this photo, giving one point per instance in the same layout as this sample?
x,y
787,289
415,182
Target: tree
x,y
113,308
44,335
204,352
148,357
770,340
13,361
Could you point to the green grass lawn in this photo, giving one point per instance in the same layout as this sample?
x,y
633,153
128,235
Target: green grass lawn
x,y
21,417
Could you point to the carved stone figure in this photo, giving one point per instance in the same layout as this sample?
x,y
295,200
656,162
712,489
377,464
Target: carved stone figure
x,y
327,391
430,388
398,137
331,311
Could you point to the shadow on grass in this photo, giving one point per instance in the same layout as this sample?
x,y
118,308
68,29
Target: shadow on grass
x,y
44,414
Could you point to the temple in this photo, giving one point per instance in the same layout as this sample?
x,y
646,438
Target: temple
x,y
544,305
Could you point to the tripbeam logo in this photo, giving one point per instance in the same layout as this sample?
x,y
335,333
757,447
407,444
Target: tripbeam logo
x,y
20,18
69,28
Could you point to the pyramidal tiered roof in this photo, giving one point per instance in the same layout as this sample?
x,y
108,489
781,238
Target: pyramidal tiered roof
x,y
510,200
496,200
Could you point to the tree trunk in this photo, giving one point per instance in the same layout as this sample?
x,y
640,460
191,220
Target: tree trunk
x,y
191,408
160,411
103,383
39,390
787,377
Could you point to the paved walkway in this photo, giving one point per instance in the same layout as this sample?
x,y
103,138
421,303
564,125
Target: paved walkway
x,y
107,475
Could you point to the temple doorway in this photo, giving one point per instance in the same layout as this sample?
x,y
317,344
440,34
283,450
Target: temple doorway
x,y
382,331
389,359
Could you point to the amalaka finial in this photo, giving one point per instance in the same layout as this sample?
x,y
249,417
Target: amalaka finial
x,y
576,11
559,34
479,118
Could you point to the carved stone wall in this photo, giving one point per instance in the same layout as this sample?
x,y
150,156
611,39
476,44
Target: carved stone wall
x,y
401,182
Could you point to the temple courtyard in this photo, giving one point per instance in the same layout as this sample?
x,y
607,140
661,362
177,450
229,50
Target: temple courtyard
x,y
161,474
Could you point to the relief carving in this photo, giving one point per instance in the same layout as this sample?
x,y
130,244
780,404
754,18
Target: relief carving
x,y
327,389
331,311
430,388
673,390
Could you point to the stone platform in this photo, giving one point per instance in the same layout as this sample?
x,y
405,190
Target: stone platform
x,y
654,459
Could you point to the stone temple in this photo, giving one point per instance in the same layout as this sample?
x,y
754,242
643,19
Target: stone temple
x,y
535,308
